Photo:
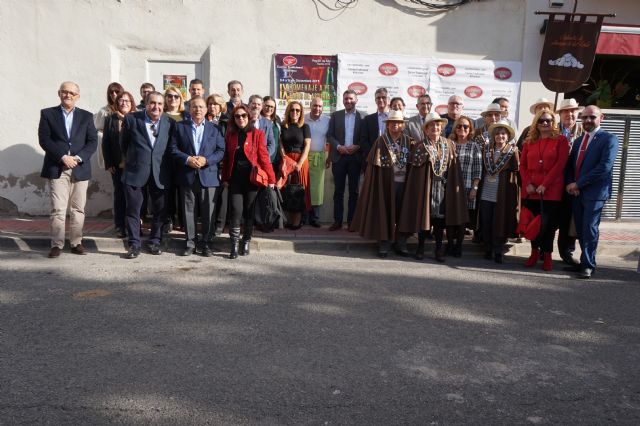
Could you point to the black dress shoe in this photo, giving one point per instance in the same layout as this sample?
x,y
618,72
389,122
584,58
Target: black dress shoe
x,y
585,273
573,268
295,227
207,252
155,249
132,253
335,226
244,248
315,224
188,251
54,252
498,258
569,260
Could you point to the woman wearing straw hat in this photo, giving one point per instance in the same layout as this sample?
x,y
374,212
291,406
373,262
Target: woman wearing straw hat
x,y
434,191
544,155
379,202
499,190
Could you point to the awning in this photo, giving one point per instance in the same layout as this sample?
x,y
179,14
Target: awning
x,y
619,40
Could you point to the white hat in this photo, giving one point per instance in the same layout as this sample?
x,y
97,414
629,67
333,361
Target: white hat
x,y
434,116
504,124
539,102
395,116
492,108
569,104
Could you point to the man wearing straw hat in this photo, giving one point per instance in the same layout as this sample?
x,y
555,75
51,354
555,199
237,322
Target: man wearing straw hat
x,y
490,115
569,127
539,104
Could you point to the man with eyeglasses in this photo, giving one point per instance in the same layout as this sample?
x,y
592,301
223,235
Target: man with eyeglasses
x,y
415,123
504,108
455,105
257,121
69,138
589,179
373,125
145,142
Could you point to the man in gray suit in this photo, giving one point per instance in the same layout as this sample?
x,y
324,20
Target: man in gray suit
x,y
345,156
259,122
414,126
145,142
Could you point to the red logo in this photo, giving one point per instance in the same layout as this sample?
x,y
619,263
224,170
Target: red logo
x,y
416,91
441,109
502,73
473,92
446,70
388,69
359,88
289,60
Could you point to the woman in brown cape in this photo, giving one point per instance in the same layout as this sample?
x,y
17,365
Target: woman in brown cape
x,y
379,202
499,190
434,190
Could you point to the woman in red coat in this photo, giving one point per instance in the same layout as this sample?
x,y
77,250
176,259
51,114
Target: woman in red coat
x,y
245,148
544,155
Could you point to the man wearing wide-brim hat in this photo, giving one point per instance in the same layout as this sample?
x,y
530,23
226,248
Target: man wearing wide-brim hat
x,y
503,103
539,104
568,111
378,205
490,115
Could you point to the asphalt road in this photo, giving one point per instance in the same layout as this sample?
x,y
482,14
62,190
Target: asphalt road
x,y
319,339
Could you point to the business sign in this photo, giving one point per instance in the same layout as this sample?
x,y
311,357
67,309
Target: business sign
x,y
304,77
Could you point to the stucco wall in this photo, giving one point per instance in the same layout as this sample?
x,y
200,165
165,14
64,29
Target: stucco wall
x,y
94,42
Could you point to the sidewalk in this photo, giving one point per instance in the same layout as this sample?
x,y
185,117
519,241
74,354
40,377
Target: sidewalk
x,y
31,233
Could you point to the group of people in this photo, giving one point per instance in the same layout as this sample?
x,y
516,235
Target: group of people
x,y
428,175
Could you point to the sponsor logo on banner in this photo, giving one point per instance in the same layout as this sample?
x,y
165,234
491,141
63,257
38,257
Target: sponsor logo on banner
x,y
473,92
442,109
446,70
388,69
416,91
359,88
289,60
502,73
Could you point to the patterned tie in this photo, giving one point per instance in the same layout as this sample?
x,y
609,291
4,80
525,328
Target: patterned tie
x,y
583,148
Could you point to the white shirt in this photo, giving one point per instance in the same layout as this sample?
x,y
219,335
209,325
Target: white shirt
x,y
349,127
148,123
319,129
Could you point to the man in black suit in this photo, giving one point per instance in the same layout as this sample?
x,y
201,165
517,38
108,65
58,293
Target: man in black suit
x,y
197,147
345,156
145,142
235,91
373,125
69,139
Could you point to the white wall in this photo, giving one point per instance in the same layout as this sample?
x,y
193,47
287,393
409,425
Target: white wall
x,y
94,42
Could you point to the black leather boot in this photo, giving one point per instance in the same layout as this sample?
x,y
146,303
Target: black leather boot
x,y
420,250
234,233
244,247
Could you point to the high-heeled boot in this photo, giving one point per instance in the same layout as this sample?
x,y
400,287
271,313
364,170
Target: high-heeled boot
x,y
420,249
547,262
234,233
533,258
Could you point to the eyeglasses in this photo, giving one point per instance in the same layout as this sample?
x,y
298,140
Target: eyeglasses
x,y
378,98
170,96
124,101
239,116
462,126
114,91
588,117
68,93
545,121
269,106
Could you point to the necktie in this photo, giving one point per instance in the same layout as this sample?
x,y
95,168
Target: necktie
x,y
583,148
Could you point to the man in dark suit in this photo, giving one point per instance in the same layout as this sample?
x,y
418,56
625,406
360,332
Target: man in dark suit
x,y
345,156
69,139
145,142
259,122
373,125
589,180
197,147
235,91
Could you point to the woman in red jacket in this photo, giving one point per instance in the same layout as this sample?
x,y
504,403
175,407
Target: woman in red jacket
x,y
544,155
245,148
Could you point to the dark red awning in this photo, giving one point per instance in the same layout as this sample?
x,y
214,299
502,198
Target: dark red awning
x,y
626,42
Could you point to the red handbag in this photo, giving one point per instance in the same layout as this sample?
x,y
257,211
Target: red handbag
x,y
259,177
529,225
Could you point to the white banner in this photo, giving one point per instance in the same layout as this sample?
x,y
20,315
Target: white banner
x,y
403,76
478,82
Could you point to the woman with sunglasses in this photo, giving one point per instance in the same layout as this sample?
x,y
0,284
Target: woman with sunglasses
x,y
470,160
245,148
544,155
295,142
174,104
269,112
174,109
113,158
499,198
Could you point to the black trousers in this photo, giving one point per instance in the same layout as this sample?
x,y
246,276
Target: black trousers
x,y
492,242
548,222
566,243
242,196
134,196
348,166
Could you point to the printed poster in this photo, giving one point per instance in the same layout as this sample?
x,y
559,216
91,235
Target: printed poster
x,y
178,81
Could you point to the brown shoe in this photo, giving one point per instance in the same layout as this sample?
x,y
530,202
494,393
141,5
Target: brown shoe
x,y
335,226
79,249
55,252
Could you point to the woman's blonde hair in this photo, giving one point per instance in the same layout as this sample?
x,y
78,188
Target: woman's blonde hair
x,y
177,92
534,134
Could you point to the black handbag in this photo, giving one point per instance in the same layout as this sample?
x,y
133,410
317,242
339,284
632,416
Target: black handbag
x,y
293,195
